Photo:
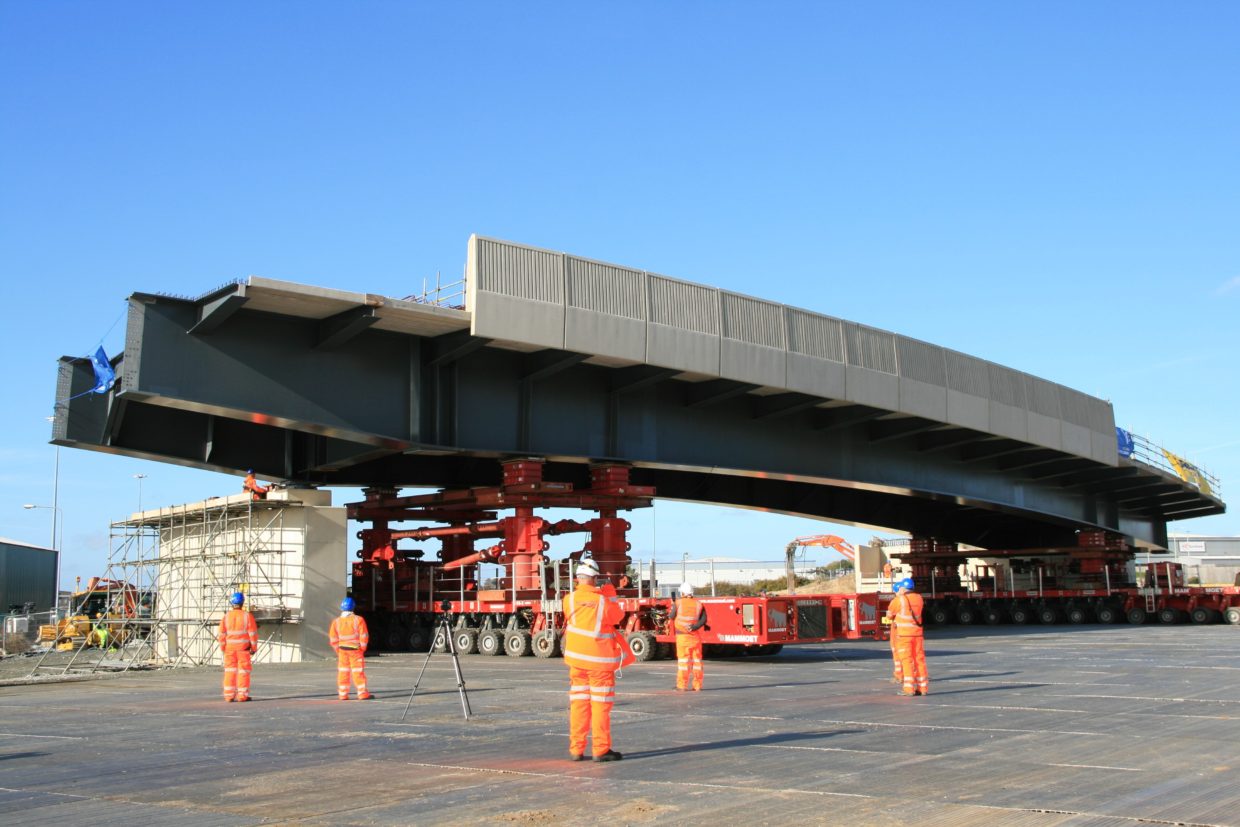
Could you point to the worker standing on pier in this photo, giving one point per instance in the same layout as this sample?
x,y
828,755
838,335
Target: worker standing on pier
x,y
238,637
688,615
909,637
349,636
257,490
593,655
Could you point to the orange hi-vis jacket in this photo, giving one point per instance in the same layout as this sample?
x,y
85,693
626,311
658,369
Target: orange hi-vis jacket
x,y
688,614
349,632
238,631
590,640
906,610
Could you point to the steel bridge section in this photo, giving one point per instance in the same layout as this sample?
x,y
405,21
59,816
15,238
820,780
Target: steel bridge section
x,y
293,397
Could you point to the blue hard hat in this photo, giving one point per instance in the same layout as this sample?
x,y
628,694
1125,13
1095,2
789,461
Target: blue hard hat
x,y
906,583
237,598
347,604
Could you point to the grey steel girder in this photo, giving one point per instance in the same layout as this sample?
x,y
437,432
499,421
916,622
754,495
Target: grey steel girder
x,y
331,392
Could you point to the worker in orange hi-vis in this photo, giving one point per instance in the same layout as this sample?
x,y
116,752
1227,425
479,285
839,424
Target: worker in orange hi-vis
x,y
688,615
238,637
593,655
909,637
257,490
350,637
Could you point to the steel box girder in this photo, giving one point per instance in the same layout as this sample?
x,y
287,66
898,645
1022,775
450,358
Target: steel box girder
x,y
381,408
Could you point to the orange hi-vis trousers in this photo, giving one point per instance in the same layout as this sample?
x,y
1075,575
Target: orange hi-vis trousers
x,y
897,673
911,650
351,663
590,696
236,674
688,662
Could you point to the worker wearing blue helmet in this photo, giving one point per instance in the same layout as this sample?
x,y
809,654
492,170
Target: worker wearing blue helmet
x,y
908,637
238,638
350,638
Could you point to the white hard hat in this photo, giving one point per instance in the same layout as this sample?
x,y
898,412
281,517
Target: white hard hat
x,y
587,569
686,589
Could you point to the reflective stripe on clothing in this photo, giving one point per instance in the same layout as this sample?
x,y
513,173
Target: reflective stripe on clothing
x,y
349,632
688,612
236,673
590,626
238,631
906,611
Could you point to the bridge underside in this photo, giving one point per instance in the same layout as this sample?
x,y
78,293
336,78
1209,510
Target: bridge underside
x,y
341,401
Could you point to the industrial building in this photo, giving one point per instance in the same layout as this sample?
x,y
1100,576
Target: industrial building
x,y
27,575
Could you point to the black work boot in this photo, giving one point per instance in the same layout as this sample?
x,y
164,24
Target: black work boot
x,y
610,755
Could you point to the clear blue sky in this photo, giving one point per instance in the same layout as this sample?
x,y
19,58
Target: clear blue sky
x,y
1054,186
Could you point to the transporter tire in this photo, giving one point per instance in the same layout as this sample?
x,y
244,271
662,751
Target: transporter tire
x,y
419,639
1020,614
490,642
992,615
440,643
1077,615
642,645
1232,615
394,638
546,644
1169,616
966,615
938,615
1048,615
466,641
1107,613
1136,615
517,644
1202,614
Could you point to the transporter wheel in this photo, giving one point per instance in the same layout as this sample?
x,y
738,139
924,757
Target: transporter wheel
x,y
1107,613
1048,615
466,641
1136,615
938,615
419,639
992,615
440,644
517,644
490,642
546,644
394,638
1168,615
1077,615
1202,614
1020,614
643,645
966,614
1232,615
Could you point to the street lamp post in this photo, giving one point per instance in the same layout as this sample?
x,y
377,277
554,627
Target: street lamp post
x,y
57,514
139,478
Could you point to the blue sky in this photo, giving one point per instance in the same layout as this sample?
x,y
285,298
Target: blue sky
x,y
1049,185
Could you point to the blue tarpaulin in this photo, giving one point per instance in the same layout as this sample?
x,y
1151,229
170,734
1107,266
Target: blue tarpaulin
x,y
1124,442
105,377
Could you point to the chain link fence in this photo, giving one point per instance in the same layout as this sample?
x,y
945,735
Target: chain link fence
x,y
20,632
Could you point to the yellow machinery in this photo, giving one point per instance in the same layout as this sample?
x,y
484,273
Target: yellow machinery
x,y
98,617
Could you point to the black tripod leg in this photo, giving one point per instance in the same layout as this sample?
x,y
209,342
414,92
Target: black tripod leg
x,y
460,686
418,681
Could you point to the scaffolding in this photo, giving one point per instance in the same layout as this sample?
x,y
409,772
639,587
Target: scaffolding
x,y
176,568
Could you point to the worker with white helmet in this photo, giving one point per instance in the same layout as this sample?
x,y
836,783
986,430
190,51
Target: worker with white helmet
x,y
909,637
688,616
593,655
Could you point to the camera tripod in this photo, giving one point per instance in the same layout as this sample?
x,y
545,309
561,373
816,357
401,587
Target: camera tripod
x,y
445,629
